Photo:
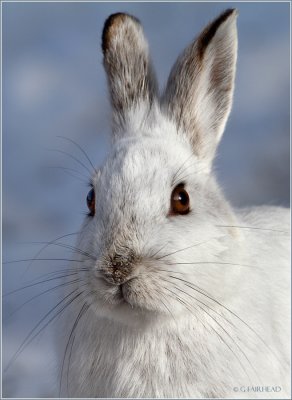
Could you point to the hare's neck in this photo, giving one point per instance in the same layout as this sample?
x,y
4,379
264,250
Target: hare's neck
x,y
108,344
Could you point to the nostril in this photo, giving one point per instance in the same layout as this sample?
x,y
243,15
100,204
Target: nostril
x,y
117,264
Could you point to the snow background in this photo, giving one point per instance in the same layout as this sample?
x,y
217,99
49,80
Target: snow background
x,y
54,84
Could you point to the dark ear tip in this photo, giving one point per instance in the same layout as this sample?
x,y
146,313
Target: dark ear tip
x,y
210,31
224,16
228,12
110,26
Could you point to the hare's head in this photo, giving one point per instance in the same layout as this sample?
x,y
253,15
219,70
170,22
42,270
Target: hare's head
x,y
155,208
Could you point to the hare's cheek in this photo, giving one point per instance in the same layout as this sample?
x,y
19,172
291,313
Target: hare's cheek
x,y
140,295
102,294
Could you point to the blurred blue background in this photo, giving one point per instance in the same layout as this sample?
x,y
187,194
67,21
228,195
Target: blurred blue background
x,y
54,84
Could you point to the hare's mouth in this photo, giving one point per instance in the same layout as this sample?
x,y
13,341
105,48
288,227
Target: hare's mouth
x,y
126,293
136,293
118,294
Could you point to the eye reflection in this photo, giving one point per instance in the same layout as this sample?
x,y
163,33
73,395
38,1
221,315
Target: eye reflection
x,y
180,201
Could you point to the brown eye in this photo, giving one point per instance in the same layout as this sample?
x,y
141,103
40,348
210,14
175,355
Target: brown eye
x,y
180,201
90,199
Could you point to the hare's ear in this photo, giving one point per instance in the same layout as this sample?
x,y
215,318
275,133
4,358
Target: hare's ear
x,y
131,79
199,90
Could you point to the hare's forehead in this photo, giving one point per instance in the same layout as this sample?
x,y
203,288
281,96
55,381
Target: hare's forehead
x,y
147,159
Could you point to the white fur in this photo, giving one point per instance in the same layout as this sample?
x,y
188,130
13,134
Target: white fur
x,y
229,326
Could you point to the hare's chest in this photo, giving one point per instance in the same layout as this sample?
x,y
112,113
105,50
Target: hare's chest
x,y
165,364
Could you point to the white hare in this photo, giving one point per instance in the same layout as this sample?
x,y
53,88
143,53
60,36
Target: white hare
x,y
177,294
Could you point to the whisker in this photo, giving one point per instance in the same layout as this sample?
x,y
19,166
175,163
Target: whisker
x,y
226,332
179,169
70,354
49,243
189,284
67,246
177,298
185,248
153,255
182,177
54,240
70,172
166,307
81,149
38,295
220,336
38,283
252,228
81,312
214,263
40,259
186,305
31,336
60,272
69,362
75,171
73,158
206,294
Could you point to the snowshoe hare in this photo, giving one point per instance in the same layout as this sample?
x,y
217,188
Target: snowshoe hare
x,y
178,295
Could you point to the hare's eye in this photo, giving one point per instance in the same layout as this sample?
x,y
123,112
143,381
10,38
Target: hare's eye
x,y
180,201
91,202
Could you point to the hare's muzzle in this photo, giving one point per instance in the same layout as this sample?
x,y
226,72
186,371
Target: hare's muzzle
x,y
120,267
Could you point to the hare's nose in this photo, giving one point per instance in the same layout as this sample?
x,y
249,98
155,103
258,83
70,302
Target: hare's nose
x,y
120,267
